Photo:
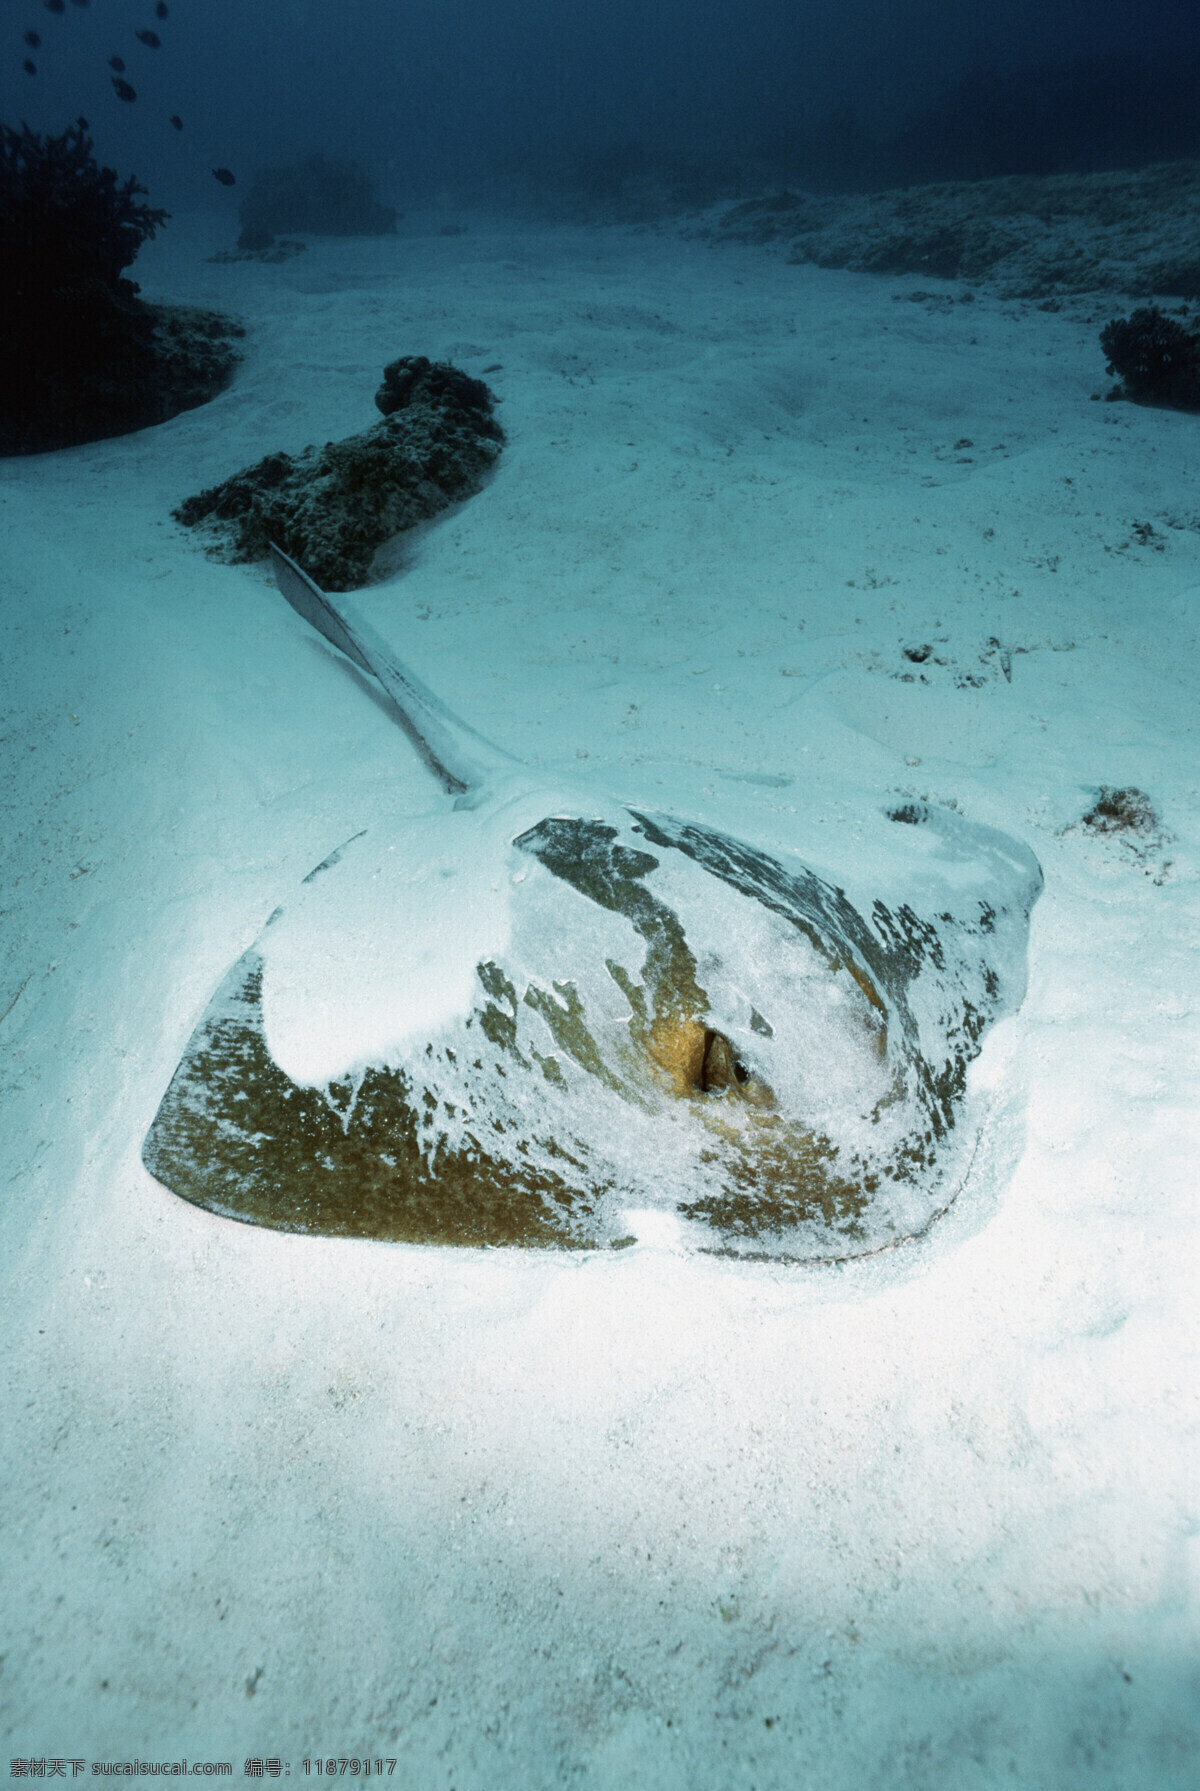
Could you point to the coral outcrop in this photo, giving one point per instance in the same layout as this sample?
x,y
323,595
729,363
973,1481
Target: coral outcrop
x,y
1156,359
332,507
81,356
319,196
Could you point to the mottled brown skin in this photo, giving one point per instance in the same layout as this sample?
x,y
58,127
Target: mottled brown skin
x,y
349,1162
293,1162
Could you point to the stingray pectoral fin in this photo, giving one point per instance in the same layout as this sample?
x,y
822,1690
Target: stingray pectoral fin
x,y
235,1135
458,757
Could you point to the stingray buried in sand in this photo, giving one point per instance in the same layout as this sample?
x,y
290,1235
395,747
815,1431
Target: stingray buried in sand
x,y
531,1018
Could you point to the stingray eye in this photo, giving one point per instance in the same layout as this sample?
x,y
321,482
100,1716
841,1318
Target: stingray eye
x,y
722,1069
717,1066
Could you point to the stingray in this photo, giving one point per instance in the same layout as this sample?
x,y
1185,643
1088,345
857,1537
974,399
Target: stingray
x,y
529,1017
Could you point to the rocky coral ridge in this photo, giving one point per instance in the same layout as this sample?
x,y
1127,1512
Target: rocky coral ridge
x,y
332,507
1037,237
81,356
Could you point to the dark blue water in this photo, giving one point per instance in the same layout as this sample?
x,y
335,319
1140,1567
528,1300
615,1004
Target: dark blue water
x,y
585,99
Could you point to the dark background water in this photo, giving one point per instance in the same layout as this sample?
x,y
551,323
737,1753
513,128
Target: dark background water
x,y
598,102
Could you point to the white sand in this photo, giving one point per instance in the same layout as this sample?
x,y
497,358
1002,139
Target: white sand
x,y
645,1519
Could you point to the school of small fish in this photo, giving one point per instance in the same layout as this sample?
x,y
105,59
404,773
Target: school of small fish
x,y
123,89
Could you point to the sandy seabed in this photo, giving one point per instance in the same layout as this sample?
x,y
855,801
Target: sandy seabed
x,y
640,1519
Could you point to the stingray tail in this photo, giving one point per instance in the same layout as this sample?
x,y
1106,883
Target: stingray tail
x,y
459,758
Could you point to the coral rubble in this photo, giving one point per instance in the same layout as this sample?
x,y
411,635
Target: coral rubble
x,y
1035,238
1122,811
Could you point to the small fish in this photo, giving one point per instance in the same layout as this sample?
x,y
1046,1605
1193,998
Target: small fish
x,y
29,66
177,121
150,38
226,176
118,63
55,5
33,39
161,10
122,89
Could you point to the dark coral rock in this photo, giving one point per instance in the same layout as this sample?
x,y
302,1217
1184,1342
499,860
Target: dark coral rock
x,y
254,239
194,352
319,195
81,356
1155,357
62,217
414,376
332,507
1122,811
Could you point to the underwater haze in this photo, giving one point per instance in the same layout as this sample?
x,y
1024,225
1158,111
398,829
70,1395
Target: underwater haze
x,y
576,101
